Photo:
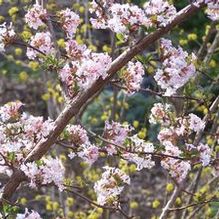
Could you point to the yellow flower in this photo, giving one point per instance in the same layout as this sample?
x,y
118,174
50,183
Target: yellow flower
x,y
183,42
135,124
23,201
49,206
45,96
1,18
55,205
134,205
12,11
23,76
212,63
26,35
69,201
156,203
178,201
81,9
132,168
61,43
18,51
33,65
192,37
169,187
142,134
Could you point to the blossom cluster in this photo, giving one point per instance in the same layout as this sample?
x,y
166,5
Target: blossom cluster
x,y
69,21
212,9
173,131
84,68
178,169
177,68
133,76
19,132
50,170
160,113
159,12
28,215
115,133
83,147
126,18
110,186
141,153
7,35
10,111
36,16
41,43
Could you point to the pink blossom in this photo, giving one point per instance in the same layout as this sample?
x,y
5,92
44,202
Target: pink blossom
x,y
77,134
141,160
36,16
74,50
160,12
7,35
69,21
160,113
213,10
110,185
85,71
122,18
93,67
50,171
36,127
177,68
116,133
42,42
195,123
205,153
133,76
89,153
177,168
28,215
167,134
10,111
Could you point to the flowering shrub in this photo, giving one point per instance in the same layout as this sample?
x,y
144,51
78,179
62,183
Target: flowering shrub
x,y
90,145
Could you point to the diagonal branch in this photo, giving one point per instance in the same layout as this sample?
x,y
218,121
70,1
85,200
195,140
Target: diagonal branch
x,y
73,107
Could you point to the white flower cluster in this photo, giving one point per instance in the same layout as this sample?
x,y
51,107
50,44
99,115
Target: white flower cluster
x,y
172,130
7,35
42,42
160,12
20,132
213,9
28,215
178,169
141,156
49,171
177,68
133,76
126,18
69,21
85,150
160,113
85,68
110,186
36,16
116,133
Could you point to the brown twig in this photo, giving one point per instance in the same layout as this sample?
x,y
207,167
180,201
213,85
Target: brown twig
x,y
98,205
